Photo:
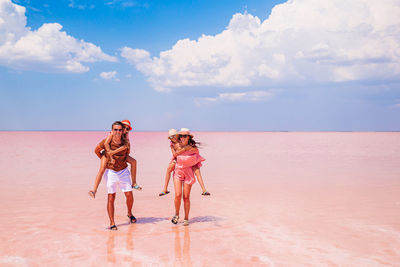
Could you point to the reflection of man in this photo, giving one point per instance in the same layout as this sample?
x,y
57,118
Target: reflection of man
x,y
117,173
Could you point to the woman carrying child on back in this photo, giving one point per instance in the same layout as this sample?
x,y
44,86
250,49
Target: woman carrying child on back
x,y
187,159
176,149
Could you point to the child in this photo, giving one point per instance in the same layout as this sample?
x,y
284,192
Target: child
x,y
108,158
177,150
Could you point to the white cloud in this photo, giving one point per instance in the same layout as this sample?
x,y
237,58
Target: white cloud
x,y
302,41
251,96
45,49
112,75
126,4
80,6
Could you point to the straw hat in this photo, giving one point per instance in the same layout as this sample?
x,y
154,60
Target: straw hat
x,y
127,123
185,131
171,133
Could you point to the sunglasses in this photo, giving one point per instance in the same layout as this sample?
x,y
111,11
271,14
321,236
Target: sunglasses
x,y
117,130
184,135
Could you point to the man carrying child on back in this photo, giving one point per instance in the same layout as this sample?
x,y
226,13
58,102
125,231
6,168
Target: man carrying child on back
x,y
116,172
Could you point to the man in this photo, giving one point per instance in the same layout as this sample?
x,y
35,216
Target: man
x,y
117,173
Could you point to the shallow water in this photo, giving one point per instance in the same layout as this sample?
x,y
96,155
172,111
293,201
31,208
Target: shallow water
x,y
278,199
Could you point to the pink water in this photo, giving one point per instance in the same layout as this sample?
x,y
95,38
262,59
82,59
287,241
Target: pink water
x,y
278,199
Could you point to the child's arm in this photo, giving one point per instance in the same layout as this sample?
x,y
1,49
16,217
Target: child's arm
x,y
108,150
113,152
186,148
107,143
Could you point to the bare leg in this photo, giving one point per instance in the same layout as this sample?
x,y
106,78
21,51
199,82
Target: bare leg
x,y
99,176
133,164
129,202
186,199
200,179
110,208
178,195
170,169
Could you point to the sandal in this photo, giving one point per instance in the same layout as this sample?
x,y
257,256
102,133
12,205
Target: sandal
x,y
132,218
92,194
205,193
163,193
113,227
136,187
174,219
185,222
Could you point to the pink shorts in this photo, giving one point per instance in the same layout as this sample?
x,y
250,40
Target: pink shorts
x,y
184,166
185,174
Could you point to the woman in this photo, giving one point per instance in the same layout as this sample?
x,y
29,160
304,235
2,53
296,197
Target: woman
x,y
177,150
183,173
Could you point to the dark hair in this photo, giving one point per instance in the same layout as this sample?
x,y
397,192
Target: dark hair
x,y
117,123
192,142
123,136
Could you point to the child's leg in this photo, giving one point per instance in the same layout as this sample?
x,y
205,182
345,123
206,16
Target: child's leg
x,y
170,169
133,163
199,178
99,175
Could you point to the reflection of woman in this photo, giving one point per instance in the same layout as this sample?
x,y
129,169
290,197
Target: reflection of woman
x,y
185,260
183,174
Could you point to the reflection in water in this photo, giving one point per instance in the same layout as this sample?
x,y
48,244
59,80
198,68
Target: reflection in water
x,y
129,243
182,260
111,246
128,256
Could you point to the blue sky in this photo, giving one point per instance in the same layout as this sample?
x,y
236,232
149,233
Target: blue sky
x,y
301,65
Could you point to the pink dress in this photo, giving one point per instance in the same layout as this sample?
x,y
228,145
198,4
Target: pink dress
x,y
184,163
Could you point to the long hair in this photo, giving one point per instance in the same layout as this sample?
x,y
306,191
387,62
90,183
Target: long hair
x,y
192,142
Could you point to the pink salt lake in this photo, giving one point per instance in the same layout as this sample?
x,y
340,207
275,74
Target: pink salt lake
x,y
277,199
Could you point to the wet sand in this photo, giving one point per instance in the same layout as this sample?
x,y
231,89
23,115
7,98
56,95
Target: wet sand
x,y
278,199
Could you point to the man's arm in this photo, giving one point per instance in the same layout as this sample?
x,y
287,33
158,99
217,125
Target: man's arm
x,y
98,150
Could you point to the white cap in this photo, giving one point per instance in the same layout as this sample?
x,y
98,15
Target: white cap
x,y
172,132
185,131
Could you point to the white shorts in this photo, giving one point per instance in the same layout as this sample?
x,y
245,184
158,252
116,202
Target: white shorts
x,y
122,178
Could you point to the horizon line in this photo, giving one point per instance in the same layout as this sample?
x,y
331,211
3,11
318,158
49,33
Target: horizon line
x,y
255,131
